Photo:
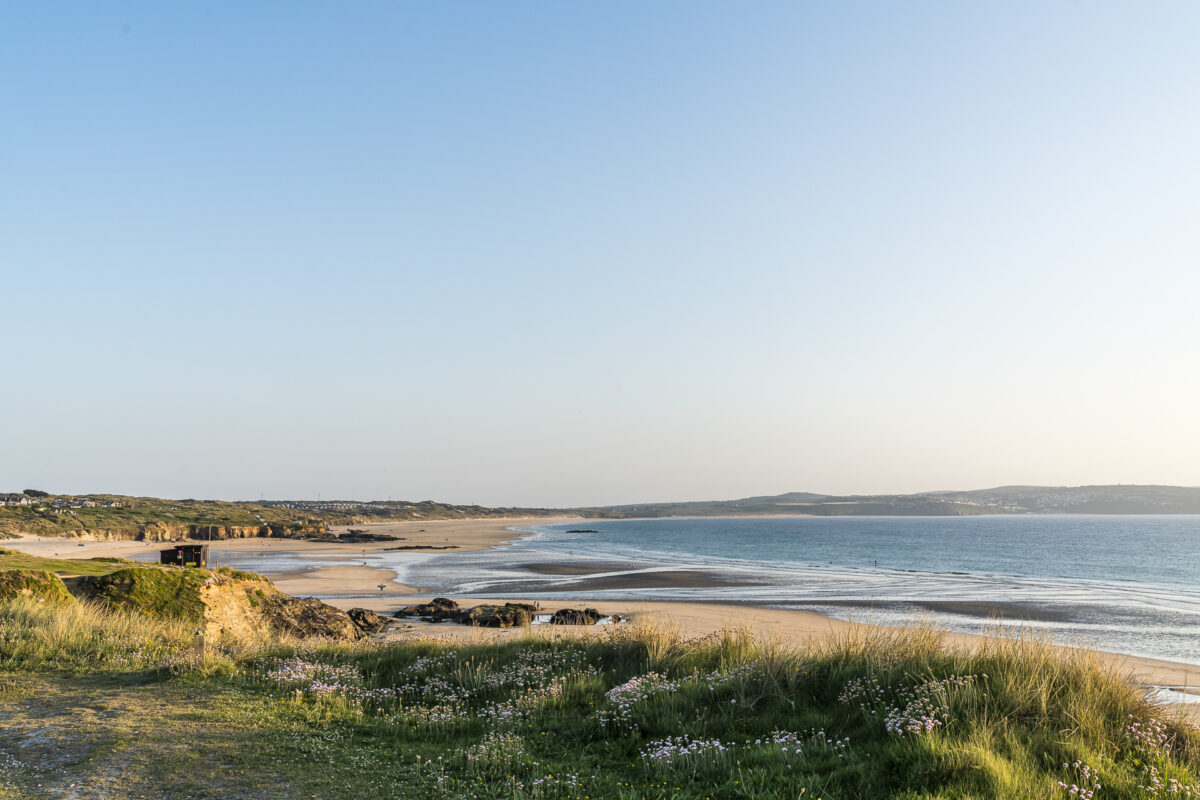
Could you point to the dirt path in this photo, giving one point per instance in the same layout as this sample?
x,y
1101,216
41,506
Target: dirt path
x,y
85,738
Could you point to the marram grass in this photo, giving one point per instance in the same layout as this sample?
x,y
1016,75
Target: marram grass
x,y
641,713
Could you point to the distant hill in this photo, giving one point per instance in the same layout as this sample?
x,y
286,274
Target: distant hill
x,y
107,516
1118,499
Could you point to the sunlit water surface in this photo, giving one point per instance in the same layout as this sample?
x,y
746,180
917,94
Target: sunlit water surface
x,y
1127,584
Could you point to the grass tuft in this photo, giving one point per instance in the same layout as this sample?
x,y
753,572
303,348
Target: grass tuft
x,y
39,585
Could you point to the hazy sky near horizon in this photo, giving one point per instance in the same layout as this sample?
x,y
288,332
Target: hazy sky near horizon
x,y
573,253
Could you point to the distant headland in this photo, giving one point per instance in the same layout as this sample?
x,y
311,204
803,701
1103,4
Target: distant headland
x,y
1113,499
34,511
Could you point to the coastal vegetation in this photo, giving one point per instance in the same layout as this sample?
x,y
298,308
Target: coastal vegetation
x,y
223,602
104,701
41,584
13,559
108,516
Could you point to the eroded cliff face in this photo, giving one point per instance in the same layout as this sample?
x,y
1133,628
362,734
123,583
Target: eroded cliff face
x,y
213,532
254,610
228,610
160,532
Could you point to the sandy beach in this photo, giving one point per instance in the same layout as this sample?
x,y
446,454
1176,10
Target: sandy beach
x,y
434,536
416,535
358,586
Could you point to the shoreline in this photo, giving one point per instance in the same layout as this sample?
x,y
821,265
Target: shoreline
x,y
352,585
790,627
459,535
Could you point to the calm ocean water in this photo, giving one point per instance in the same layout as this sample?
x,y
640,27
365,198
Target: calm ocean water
x,y
1127,584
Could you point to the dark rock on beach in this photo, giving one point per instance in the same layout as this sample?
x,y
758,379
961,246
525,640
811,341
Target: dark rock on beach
x,y
509,615
573,616
436,610
367,620
423,547
352,536
362,537
306,617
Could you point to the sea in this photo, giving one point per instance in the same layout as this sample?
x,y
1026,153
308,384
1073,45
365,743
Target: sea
x,y
1125,584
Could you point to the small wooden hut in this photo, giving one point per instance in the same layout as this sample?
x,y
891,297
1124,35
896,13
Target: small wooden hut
x,y
185,555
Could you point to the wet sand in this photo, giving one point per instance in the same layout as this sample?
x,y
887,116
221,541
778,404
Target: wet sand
x,y
590,568
1008,610
645,579
336,579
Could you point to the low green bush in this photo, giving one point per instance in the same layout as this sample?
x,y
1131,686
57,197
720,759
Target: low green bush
x,y
38,585
156,591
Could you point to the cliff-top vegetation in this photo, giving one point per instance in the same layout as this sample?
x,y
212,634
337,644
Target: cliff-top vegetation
x,y
120,516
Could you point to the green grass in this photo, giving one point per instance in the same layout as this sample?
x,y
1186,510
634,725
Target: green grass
x,y
155,591
239,574
40,585
85,638
118,582
134,513
11,559
537,717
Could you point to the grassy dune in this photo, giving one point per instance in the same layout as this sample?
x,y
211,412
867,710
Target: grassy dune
x,y
156,591
632,714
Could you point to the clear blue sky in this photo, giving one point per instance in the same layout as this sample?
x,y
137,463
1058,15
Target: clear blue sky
x,y
569,253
